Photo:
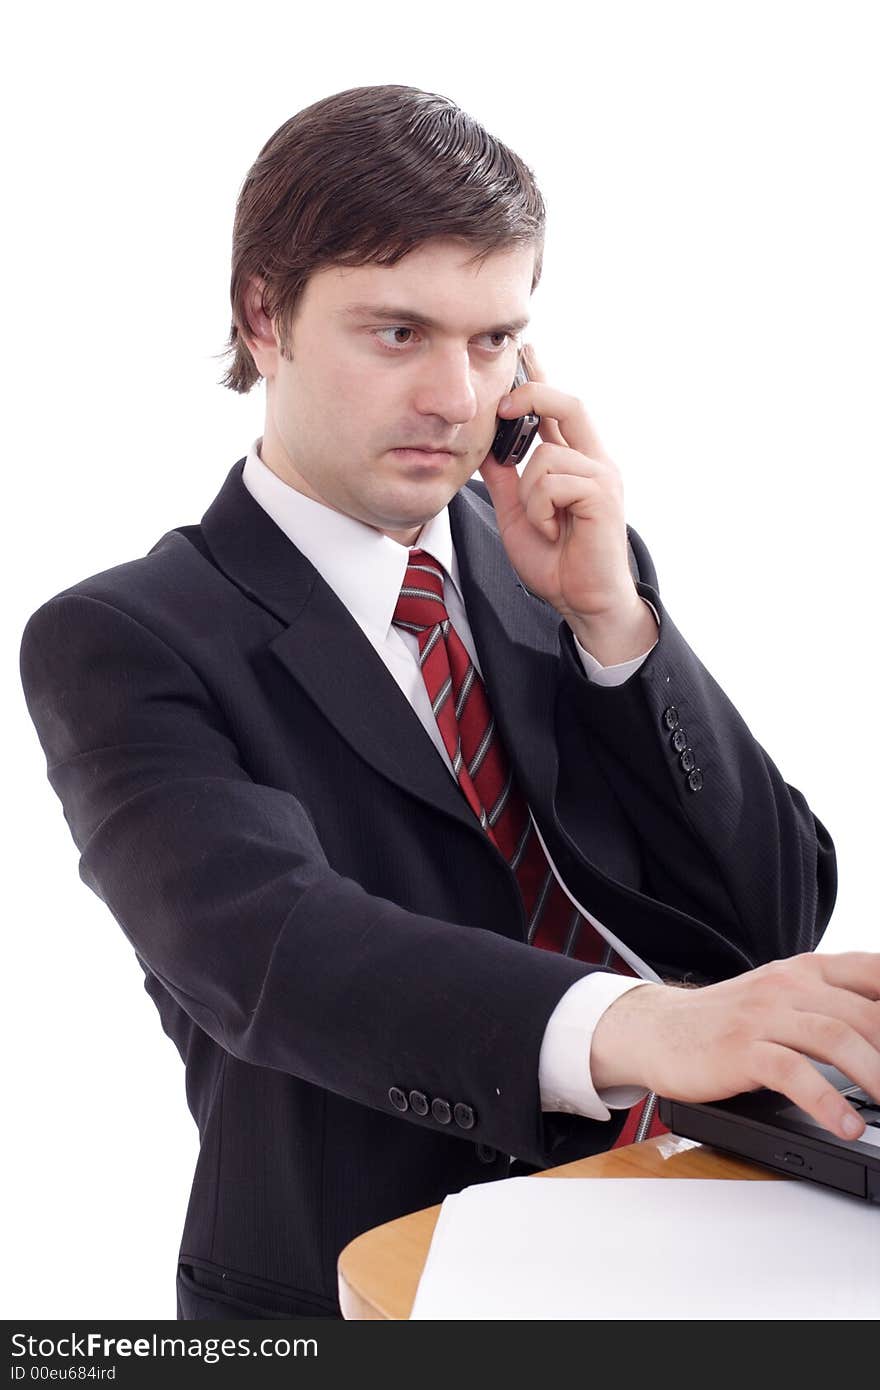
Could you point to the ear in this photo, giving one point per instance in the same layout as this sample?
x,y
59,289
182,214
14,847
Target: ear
x,y
259,334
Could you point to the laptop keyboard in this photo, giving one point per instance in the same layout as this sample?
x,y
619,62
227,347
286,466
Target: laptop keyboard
x,y
867,1107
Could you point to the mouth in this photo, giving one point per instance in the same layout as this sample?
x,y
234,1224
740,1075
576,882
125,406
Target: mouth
x,y
426,457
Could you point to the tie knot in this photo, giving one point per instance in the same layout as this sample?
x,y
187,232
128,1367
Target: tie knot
x,y
420,605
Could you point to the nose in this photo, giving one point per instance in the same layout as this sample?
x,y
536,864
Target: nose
x,y
445,389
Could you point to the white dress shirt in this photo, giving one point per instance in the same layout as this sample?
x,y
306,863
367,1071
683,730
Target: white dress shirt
x,y
365,569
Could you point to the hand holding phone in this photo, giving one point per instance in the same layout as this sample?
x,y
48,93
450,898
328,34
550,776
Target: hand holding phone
x,y
513,437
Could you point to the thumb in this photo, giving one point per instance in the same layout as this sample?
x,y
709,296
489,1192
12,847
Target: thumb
x,y
502,480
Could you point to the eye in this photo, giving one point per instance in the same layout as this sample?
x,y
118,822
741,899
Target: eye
x,y
498,347
398,328
396,345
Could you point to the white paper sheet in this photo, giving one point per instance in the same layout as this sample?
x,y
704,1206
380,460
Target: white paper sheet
x,y
527,1248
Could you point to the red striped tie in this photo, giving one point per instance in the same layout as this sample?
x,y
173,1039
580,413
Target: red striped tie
x,y
480,762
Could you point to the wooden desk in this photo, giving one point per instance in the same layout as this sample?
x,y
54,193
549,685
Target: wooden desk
x,y
380,1270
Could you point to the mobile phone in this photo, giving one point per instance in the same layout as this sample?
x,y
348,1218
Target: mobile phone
x,y
513,437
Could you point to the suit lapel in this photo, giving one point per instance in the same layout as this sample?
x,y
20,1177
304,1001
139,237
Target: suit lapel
x,y
323,649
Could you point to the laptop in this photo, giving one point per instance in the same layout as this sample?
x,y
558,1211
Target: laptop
x,y
767,1128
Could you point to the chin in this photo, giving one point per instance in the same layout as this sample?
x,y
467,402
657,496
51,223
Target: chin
x,y
419,503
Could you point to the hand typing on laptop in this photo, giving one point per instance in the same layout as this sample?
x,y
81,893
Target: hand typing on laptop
x,y
710,1043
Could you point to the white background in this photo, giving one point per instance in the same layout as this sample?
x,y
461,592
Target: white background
x,y
710,291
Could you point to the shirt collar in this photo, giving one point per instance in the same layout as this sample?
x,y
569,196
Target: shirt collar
x,y
364,568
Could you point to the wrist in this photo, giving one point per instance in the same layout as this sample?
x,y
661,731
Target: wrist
x,y
622,1041
617,635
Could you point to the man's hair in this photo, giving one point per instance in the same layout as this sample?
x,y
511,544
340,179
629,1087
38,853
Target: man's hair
x,y
363,177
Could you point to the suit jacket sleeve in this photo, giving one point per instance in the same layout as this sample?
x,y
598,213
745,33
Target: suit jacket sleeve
x,y
723,838
223,889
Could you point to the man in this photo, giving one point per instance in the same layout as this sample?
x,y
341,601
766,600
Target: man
x,y
299,746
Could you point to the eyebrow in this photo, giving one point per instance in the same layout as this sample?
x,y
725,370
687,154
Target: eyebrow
x,y
392,314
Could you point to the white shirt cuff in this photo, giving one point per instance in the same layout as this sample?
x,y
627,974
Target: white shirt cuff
x,y
613,675
564,1065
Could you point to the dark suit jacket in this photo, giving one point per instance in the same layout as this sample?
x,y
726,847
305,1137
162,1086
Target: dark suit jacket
x,y
322,924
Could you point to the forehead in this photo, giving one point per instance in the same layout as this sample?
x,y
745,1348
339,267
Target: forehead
x,y
441,281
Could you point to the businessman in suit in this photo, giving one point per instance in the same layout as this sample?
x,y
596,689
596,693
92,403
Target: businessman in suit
x,y
300,745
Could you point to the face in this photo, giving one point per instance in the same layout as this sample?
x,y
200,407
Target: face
x,y
388,403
